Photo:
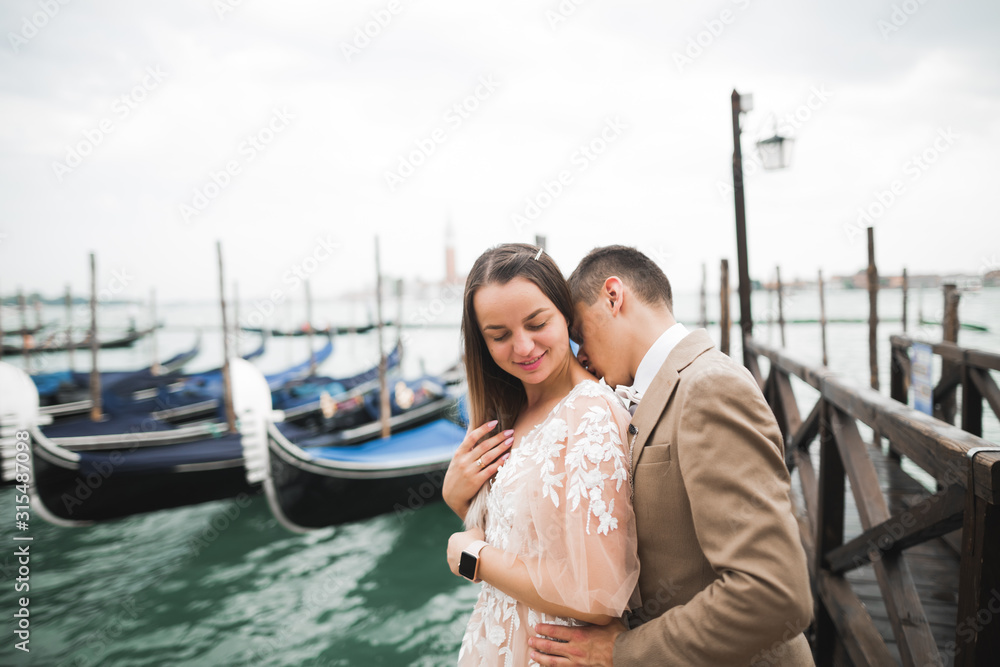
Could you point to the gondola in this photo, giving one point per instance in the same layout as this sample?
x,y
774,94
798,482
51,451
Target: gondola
x,y
314,480
194,396
96,479
52,345
304,330
65,386
134,462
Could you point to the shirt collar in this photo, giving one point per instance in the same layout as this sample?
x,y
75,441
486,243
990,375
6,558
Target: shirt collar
x,y
656,355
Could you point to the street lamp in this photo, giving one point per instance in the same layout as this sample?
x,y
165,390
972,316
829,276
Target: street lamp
x,y
775,153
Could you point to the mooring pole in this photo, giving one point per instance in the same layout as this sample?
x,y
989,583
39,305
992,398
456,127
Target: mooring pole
x,y
385,408
237,327
949,334
309,329
155,367
26,340
95,375
227,382
725,323
399,319
746,319
872,310
906,289
69,326
781,306
822,317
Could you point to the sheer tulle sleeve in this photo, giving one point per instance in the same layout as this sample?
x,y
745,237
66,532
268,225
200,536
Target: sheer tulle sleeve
x,y
579,545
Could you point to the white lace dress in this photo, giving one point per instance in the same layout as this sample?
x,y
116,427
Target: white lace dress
x,y
562,505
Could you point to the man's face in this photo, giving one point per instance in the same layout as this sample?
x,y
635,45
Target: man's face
x,y
601,351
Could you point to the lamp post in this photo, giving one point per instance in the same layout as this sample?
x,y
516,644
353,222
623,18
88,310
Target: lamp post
x,y
774,153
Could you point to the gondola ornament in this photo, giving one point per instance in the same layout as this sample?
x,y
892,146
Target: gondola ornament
x,y
253,409
19,411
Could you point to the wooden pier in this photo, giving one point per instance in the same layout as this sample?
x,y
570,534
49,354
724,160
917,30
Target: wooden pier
x,y
900,575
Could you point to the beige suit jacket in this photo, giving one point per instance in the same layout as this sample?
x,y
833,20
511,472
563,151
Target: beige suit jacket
x,y
723,576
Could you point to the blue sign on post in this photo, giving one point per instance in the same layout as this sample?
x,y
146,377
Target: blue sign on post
x,y
922,377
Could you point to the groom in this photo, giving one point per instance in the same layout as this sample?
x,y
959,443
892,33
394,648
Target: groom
x,y
723,575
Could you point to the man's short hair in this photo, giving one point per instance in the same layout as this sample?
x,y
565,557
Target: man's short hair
x,y
646,280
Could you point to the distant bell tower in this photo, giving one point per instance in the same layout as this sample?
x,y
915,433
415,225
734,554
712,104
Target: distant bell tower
x,y
450,276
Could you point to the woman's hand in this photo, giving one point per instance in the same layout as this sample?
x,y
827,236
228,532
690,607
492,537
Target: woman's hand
x,y
472,465
457,544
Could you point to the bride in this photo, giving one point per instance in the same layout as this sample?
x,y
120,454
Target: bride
x,y
551,535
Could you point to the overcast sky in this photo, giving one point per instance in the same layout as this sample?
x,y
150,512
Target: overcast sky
x,y
146,131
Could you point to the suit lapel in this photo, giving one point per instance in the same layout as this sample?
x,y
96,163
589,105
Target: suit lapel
x,y
655,400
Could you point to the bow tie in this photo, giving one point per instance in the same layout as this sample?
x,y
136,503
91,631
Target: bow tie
x,y
629,397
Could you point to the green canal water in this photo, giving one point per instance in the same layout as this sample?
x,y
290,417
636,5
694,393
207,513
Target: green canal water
x,y
223,584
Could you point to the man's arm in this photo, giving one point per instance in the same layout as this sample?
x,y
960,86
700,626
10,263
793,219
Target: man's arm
x,y
733,469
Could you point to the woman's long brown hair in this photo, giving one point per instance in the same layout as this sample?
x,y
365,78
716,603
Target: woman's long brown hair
x,y
493,392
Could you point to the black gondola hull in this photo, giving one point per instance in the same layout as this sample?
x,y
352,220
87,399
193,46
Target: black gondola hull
x,y
70,495
312,500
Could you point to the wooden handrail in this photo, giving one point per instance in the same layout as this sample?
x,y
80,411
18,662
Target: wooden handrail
x,y
939,448
952,352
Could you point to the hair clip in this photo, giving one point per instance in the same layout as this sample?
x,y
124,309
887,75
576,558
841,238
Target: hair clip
x,y
540,251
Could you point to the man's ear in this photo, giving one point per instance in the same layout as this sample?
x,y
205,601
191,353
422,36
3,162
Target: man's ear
x,y
614,294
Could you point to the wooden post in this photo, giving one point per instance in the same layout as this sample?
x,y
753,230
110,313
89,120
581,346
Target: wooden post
x,y
978,631
38,314
822,317
703,316
309,329
69,325
829,530
26,340
906,287
746,319
227,382
949,334
237,327
399,318
155,368
781,306
724,319
872,310
385,411
95,375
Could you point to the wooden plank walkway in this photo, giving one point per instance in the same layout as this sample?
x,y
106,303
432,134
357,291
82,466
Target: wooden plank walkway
x,y
934,564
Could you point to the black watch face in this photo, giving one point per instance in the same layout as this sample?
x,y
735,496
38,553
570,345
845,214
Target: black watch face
x,y
467,566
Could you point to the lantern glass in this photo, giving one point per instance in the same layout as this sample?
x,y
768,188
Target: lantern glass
x,y
775,152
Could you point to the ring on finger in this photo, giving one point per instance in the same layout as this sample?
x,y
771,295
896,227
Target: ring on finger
x,y
479,462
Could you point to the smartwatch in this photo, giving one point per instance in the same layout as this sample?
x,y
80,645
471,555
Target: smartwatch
x,y
468,566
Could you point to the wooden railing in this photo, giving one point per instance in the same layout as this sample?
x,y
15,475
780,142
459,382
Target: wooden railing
x,y
967,469
960,366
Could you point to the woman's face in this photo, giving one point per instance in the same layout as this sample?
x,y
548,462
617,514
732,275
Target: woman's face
x,y
524,331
